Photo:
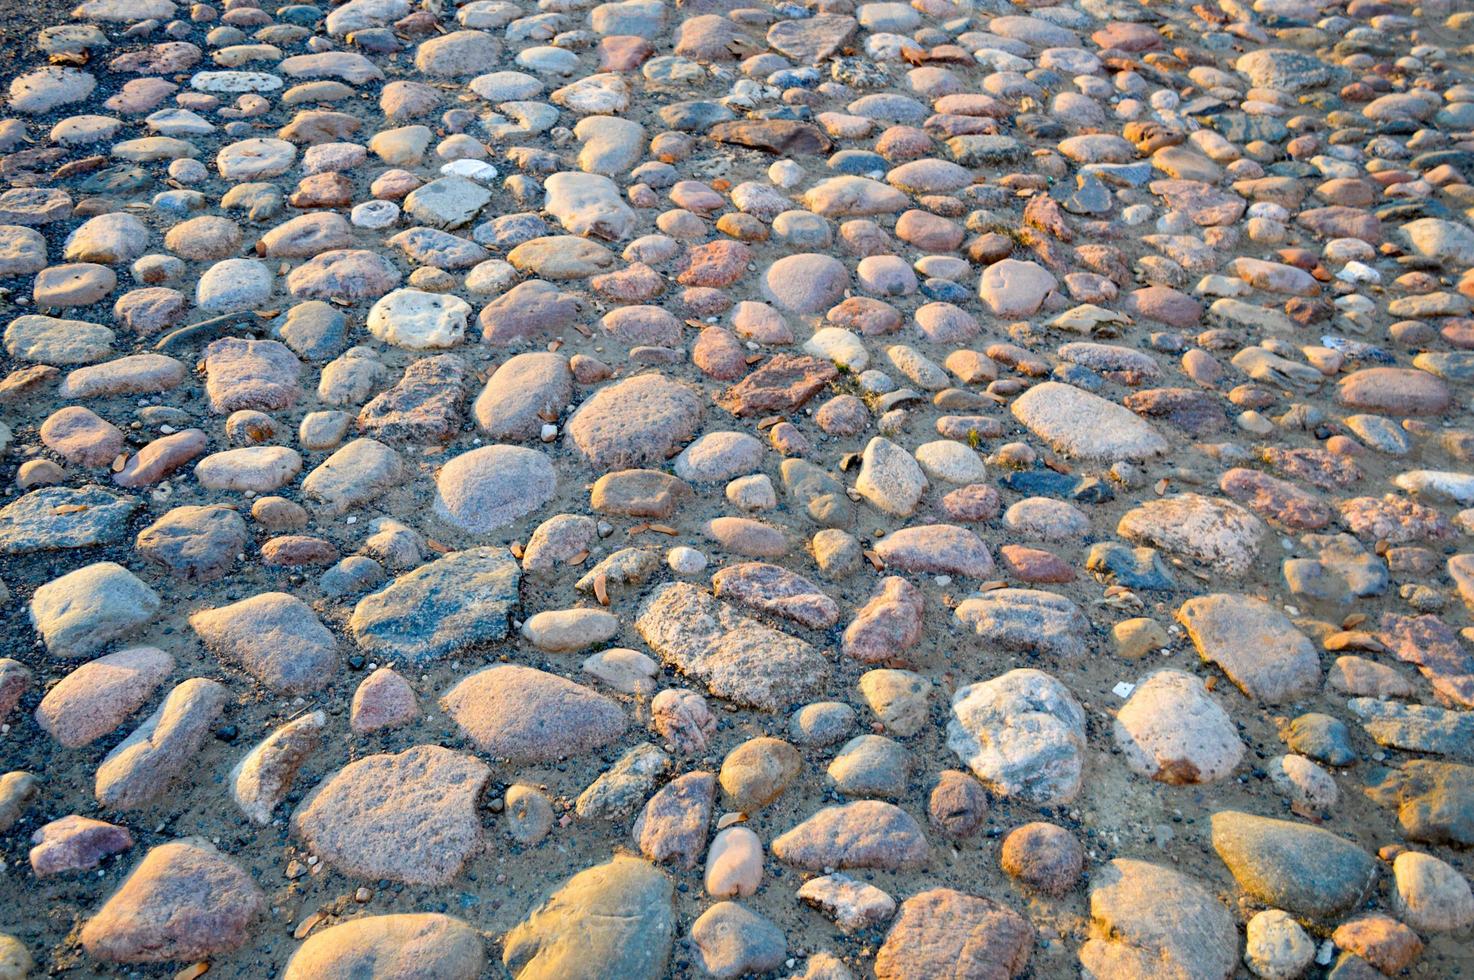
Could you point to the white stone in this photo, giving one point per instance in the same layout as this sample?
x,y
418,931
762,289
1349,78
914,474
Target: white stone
x,y
417,320
1429,894
1081,424
1172,731
1022,734
374,215
890,479
685,561
235,81
589,205
839,345
490,487
950,462
1275,946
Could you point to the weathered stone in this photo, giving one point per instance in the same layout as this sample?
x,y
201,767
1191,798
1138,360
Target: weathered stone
x,y
942,931
1254,643
185,901
384,947
673,824
1217,533
276,637
738,658
98,696
439,608
527,715
409,817
863,834
160,751
776,590
75,843
634,422
1171,730
1026,619
56,518
614,918
1148,920
84,610
1078,423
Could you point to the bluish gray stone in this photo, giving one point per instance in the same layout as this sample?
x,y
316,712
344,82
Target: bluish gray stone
x,y
1134,568
1417,727
447,605
315,330
1322,738
54,518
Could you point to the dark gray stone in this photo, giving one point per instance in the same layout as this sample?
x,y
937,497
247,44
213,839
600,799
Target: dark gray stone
x,y
447,605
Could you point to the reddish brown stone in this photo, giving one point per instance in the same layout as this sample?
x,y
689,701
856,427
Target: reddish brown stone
x,y
256,374
778,591
1196,412
423,406
326,190
409,817
1434,647
929,232
291,550
622,52
185,901
1035,564
958,804
788,440
1393,391
1342,222
718,354
783,383
383,700
715,264
1394,519
98,696
1276,499
160,458
703,301
783,137
1306,311
1127,36
157,59
945,933
76,843
862,314
899,143
1459,332
1165,305
1317,467
81,437
637,283
888,625
639,493
974,502
843,416
1043,856
1381,940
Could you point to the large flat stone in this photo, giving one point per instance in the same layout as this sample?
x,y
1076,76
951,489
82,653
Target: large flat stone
x,y
412,817
1302,869
611,920
525,715
1254,643
1077,423
446,605
738,658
